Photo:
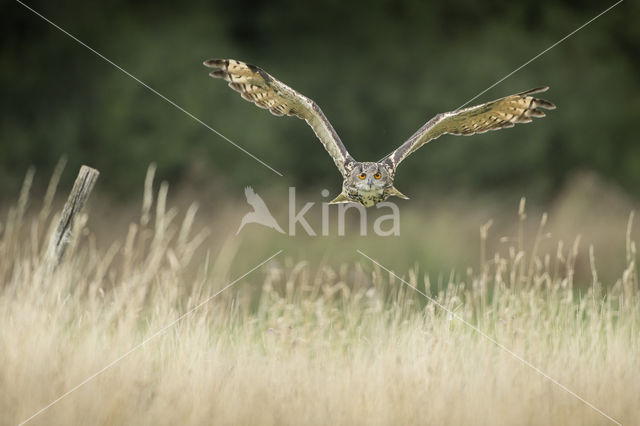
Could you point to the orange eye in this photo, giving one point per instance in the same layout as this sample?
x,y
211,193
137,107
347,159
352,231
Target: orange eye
x,y
377,175
362,175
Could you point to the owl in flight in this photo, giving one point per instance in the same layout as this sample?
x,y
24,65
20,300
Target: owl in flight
x,y
369,183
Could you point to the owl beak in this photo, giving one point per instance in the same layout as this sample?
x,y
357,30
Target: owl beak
x,y
370,182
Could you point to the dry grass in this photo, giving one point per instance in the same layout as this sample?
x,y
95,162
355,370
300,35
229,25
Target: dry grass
x,y
302,343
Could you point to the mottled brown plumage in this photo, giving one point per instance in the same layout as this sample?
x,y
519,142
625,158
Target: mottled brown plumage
x,y
499,114
368,183
257,86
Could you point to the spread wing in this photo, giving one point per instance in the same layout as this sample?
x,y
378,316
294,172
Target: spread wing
x,y
257,86
254,199
498,114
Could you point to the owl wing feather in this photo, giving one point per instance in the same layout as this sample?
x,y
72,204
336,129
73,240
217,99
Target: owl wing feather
x,y
259,87
499,114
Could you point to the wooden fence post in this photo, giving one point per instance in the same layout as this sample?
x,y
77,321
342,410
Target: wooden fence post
x,y
77,198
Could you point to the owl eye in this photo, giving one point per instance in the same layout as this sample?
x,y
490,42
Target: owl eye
x,y
362,175
377,175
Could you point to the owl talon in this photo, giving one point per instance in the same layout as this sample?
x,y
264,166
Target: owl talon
x,y
396,193
342,198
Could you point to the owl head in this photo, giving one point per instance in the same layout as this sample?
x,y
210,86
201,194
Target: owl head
x,y
368,183
369,177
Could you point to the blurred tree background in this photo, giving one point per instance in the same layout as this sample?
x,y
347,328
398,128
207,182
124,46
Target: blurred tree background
x,y
379,69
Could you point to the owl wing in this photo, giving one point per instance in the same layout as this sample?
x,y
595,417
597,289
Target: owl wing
x,y
257,86
498,114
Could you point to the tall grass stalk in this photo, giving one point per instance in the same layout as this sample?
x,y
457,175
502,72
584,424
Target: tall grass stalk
x,y
304,343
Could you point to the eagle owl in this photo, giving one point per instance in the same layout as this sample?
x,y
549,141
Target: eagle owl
x,y
369,183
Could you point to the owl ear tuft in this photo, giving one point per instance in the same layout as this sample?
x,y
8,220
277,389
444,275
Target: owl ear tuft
x,y
342,198
396,193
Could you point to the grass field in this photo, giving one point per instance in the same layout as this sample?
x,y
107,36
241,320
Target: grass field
x,y
301,341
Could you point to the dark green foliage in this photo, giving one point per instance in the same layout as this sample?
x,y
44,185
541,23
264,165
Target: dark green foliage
x,y
379,70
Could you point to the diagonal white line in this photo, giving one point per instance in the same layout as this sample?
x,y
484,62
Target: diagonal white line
x,y
139,345
541,53
492,340
151,89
